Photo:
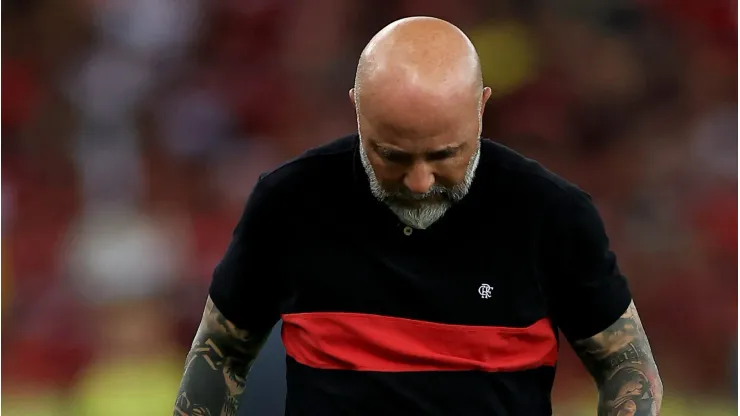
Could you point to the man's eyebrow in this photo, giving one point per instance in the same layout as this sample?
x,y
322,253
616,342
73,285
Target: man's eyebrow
x,y
389,150
385,146
451,149
444,153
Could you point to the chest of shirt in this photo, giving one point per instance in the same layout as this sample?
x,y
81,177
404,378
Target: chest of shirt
x,y
471,281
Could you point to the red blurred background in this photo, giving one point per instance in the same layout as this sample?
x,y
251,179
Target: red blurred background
x,y
134,130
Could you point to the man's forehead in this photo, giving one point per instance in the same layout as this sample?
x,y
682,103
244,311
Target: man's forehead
x,y
400,104
412,136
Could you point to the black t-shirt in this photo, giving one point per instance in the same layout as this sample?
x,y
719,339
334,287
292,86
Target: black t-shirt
x,y
382,319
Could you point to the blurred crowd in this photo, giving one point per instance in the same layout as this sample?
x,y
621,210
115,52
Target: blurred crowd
x,y
134,130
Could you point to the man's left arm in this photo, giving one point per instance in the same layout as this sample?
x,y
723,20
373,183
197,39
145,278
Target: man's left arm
x,y
590,301
622,364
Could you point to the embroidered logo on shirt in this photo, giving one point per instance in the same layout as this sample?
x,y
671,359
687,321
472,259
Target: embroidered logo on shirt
x,y
485,290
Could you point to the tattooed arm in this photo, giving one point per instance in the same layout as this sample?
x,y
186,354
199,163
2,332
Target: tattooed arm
x,y
216,367
621,362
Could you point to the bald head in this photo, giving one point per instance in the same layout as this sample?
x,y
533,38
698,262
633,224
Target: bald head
x,y
423,56
419,99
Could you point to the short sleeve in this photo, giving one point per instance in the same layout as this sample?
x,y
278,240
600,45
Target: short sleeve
x,y
586,290
247,284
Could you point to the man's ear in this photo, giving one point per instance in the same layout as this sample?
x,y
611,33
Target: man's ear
x,y
484,99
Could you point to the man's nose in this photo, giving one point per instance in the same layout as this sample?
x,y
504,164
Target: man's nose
x,y
419,179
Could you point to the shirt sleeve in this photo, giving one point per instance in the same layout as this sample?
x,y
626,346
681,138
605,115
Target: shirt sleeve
x,y
586,290
248,283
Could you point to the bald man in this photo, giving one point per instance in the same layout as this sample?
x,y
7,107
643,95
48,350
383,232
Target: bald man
x,y
419,269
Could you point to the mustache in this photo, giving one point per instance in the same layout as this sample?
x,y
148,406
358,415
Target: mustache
x,y
435,192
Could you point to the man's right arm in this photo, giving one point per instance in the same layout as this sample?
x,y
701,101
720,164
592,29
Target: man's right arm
x,y
216,367
248,286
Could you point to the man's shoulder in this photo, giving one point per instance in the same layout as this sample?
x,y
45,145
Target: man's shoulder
x,y
527,176
314,167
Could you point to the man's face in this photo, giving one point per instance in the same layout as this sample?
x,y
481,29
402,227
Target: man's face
x,y
420,150
420,177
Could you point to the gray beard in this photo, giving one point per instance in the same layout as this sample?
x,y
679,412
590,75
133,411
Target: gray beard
x,y
427,213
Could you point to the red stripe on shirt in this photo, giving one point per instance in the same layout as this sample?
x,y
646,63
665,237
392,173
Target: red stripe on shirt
x,y
364,342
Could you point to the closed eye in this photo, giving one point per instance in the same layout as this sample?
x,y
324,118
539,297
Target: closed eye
x,y
441,155
446,153
404,158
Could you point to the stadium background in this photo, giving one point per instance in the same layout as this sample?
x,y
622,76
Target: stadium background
x,y
133,131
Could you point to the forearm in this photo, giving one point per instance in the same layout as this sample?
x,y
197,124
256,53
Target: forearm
x,y
622,364
216,367
632,389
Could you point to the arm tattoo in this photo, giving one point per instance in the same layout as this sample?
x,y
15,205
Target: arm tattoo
x,y
216,367
621,362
